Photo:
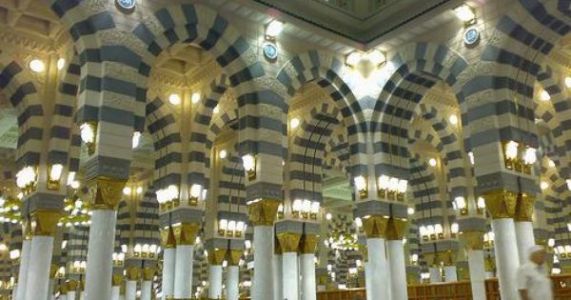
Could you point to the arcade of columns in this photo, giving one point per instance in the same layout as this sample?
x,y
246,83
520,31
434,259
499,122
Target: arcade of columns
x,y
130,180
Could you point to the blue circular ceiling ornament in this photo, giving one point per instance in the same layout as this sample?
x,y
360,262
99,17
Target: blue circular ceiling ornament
x,y
270,51
126,4
471,36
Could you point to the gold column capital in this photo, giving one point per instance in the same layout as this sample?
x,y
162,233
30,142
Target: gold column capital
x,y
263,212
63,289
216,256
53,271
44,222
308,243
233,257
168,238
289,241
473,240
501,203
524,208
117,280
396,229
489,264
133,273
185,233
108,192
149,273
72,285
375,226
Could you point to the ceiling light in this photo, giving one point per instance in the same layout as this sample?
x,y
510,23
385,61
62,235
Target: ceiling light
x,y
410,211
465,13
216,109
222,154
544,185
551,163
126,190
274,28
195,97
353,58
544,96
294,123
37,65
432,162
328,216
136,139
174,99
568,82
60,63
453,119
375,56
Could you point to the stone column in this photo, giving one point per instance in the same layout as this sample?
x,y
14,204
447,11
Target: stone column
x,y
277,270
375,230
215,259
396,230
502,205
44,226
24,261
474,243
307,247
52,283
262,214
289,242
147,284
233,275
524,226
169,262
186,236
133,276
99,270
450,274
116,286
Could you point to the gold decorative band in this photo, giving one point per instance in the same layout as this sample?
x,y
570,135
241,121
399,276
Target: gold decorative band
x,y
149,273
133,273
524,208
44,222
216,256
168,238
233,257
473,240
396,229
117,280
308,243
185,233
501,203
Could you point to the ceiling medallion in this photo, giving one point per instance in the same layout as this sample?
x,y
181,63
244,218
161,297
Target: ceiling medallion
x,y
471,36
270,51
126,4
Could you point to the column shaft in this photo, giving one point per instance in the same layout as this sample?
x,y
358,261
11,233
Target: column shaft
x,y
398,270
23,270
146,290
215,281
290,276
131,290
99,254
277,264
477,274
450,274
71,295
39,269
368,281
379,269
183,272
308,285
115,292
232,282
435,276
525,239
263,252
169,263
507,258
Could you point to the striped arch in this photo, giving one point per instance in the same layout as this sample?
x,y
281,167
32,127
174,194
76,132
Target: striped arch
x,y
338,150
428,205
22,93
307,152
165,131
416,68
452,152
327,72
200,139
231,184
65,141
555,114
555,196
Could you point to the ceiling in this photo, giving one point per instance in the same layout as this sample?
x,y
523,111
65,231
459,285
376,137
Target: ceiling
x,y
30,17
